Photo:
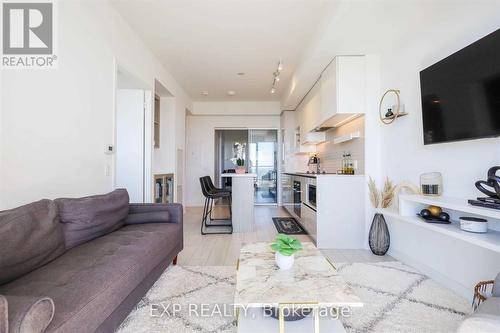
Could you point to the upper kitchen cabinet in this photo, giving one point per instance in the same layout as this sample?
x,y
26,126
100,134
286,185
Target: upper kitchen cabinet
x,y
290,121
342,92
308,113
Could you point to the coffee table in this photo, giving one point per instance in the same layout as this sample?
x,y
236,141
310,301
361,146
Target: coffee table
x,y
312,282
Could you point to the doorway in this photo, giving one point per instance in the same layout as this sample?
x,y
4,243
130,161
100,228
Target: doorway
x,y
263,161
259,149
133,136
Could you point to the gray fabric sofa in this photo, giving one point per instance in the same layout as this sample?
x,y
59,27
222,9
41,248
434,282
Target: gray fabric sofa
x,y
81,265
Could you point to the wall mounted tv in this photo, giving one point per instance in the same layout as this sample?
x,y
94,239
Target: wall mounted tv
x,y
461,93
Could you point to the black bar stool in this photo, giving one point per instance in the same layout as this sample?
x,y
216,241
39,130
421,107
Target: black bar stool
x,y
211,193
211,188
224,193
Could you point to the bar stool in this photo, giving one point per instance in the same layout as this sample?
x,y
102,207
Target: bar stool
x,y
211,193
211,188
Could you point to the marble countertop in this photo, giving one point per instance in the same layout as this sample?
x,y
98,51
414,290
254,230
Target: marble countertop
x,y
311,279
238,175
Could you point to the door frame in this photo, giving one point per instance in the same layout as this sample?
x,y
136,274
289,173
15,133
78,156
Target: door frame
x,y
136,83
278,166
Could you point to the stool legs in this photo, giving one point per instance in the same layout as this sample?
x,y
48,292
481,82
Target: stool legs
x,y
207,216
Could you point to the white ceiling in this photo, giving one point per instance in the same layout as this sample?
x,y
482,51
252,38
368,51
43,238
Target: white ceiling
x,y
205,43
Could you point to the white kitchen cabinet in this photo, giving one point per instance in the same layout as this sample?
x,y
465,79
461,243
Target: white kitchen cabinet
x,y
340,201
291,137
342,92
337,97
309,111
308,221
287,192
288,125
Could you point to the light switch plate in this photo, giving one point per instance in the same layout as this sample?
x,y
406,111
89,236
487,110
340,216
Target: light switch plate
x,y
109,149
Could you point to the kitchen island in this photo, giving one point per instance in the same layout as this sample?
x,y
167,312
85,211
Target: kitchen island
x,y
330,207
242,201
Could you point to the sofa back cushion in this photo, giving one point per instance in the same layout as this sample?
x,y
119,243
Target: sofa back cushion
x,y
87,218
30,237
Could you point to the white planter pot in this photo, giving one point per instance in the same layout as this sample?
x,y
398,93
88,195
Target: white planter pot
x,y
284,262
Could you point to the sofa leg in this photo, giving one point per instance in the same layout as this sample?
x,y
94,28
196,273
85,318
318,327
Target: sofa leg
x,y
174,262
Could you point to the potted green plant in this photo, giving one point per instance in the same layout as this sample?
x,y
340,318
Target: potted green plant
x,y
240,165
285,247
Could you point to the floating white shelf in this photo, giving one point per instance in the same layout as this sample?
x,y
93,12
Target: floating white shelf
x,y
407,205
489,240
410,204
345,138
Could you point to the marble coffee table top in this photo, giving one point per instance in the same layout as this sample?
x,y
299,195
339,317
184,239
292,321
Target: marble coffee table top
x,y
312,279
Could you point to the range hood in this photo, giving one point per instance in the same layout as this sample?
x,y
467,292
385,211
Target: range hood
x,y
314,138
321,129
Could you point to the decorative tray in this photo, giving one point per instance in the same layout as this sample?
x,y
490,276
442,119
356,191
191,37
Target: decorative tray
x,y
432,219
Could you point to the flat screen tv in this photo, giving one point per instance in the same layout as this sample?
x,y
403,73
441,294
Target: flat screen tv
x,y
461,93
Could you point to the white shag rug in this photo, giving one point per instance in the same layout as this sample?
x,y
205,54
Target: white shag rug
x,y
396,298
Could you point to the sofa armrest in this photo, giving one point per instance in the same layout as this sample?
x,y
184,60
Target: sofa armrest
x,y
4,318
496,286
27,313
154,213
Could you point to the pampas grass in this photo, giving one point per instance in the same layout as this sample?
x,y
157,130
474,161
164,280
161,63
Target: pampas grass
x,y
384,197
374,194
387,193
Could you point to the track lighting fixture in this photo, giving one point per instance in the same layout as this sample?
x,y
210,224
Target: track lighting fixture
x,y
276,77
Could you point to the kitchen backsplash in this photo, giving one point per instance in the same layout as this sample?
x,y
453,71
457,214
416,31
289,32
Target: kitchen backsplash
x,y
331,154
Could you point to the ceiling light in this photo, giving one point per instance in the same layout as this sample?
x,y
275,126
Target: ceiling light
x,y
241,73
204,93
276,77
231,92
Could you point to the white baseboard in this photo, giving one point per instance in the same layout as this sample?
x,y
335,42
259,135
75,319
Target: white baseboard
x,y
432,273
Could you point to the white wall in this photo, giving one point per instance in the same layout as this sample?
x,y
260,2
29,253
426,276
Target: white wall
x,y
55,123
404,157
200,132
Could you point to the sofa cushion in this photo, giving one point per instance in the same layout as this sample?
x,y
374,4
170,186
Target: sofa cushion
x,y
489,307
29,314
87,218
150,217
496,286
89,281
30,236
486,318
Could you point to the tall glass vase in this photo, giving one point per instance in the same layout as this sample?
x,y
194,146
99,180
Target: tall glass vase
x,y
379,238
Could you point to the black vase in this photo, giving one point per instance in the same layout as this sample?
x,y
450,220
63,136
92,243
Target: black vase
x,y
379,238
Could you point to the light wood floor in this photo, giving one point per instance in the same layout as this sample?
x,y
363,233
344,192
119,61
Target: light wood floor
x,y
223,250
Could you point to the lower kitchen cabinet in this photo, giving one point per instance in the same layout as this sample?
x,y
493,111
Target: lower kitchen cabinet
x,y
335,218
287,192
340,212
308,221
